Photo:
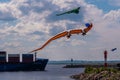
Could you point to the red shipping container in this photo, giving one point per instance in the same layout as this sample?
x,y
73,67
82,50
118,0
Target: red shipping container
x,y
14,58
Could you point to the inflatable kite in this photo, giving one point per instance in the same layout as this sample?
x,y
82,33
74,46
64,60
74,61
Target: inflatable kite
x,y
68,34
113,49
89,26
76,11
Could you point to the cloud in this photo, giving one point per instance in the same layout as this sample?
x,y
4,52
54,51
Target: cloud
x,y
107,30
75,42
113,15
5,13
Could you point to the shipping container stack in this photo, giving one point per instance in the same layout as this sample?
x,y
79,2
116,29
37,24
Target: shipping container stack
x,y
27,58
2,56
14,58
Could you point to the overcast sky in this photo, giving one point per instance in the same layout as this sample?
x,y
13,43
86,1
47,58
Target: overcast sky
x,y
27,24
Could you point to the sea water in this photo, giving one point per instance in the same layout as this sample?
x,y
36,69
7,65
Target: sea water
x,y
52,72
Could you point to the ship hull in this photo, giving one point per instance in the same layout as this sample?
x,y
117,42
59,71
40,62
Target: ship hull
x,y
38,65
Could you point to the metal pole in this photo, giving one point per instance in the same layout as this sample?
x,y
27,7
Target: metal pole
x,y
35,55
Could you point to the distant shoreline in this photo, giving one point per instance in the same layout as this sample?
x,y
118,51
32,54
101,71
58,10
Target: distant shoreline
x,y
87,65
83,62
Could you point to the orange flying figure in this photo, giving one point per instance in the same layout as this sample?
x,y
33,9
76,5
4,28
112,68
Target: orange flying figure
x,y
67,34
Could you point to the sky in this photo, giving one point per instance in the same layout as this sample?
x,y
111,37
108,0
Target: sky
x,y
28,24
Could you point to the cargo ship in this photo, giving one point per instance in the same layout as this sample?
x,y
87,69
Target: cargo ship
x,y
23,62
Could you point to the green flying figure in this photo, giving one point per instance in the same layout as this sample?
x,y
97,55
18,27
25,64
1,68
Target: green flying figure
x,y
76,11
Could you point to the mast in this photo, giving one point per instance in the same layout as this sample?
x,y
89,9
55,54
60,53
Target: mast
x,y
35,56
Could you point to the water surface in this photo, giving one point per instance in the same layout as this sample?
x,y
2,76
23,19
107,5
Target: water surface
x,y
52,72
